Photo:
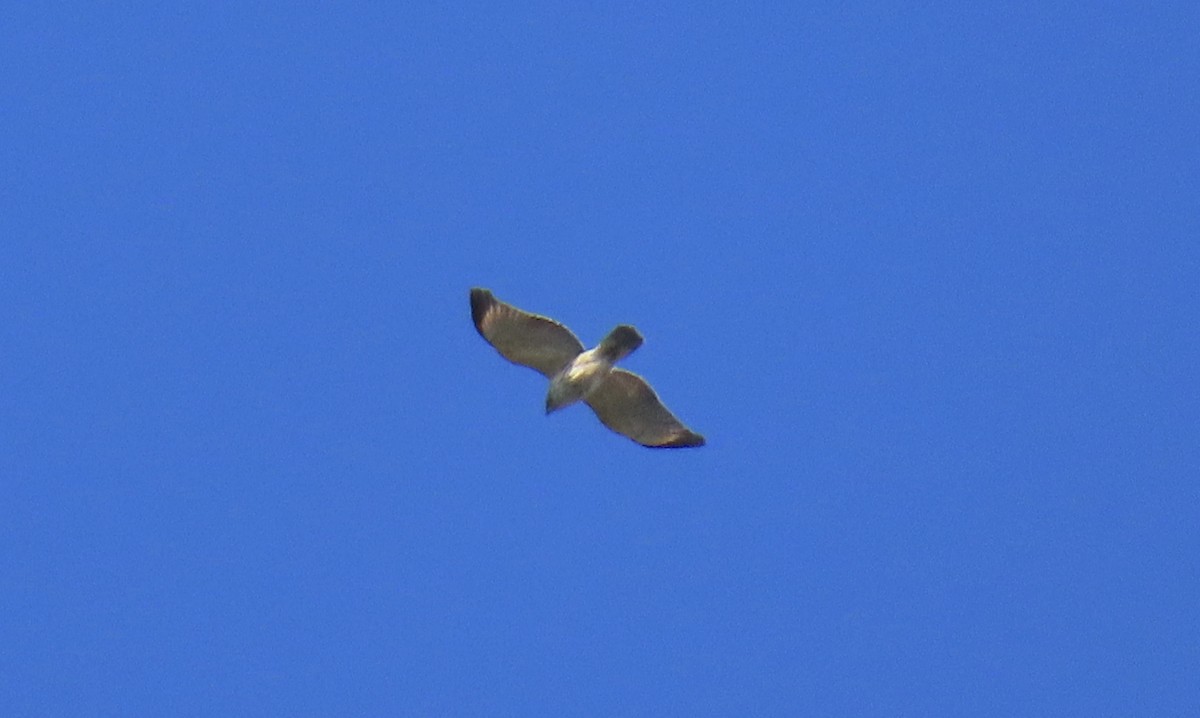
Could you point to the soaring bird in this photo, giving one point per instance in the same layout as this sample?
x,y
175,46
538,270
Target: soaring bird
x,y
623,400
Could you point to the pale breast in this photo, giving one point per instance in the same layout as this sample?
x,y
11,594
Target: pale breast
x,y
587,371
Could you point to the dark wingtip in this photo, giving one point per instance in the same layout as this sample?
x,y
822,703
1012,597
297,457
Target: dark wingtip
x,y
481,301
686,440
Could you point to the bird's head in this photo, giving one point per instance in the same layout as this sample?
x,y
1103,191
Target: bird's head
x,y
559,395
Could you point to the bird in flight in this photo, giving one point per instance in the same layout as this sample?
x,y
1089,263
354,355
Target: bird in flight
x,y
623,400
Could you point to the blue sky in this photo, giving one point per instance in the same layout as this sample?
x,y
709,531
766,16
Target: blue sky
x,y
925,277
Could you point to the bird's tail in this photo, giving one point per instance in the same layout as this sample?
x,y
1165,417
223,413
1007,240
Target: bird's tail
x,y
619,343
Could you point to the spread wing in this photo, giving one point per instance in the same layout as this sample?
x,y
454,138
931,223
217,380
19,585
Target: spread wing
x,y
523,338
627,405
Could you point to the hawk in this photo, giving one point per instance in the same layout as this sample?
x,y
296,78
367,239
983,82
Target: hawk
x,y
623,400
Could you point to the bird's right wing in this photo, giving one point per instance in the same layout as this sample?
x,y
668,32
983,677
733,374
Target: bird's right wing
x,y
626,404
522,338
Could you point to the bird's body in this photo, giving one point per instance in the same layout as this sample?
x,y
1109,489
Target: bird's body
x,y
622,400
577,380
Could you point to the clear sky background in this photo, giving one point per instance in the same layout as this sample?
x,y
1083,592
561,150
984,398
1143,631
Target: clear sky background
x,y
925,277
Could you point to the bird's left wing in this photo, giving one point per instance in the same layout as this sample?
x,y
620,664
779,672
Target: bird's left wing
x,y
522,338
